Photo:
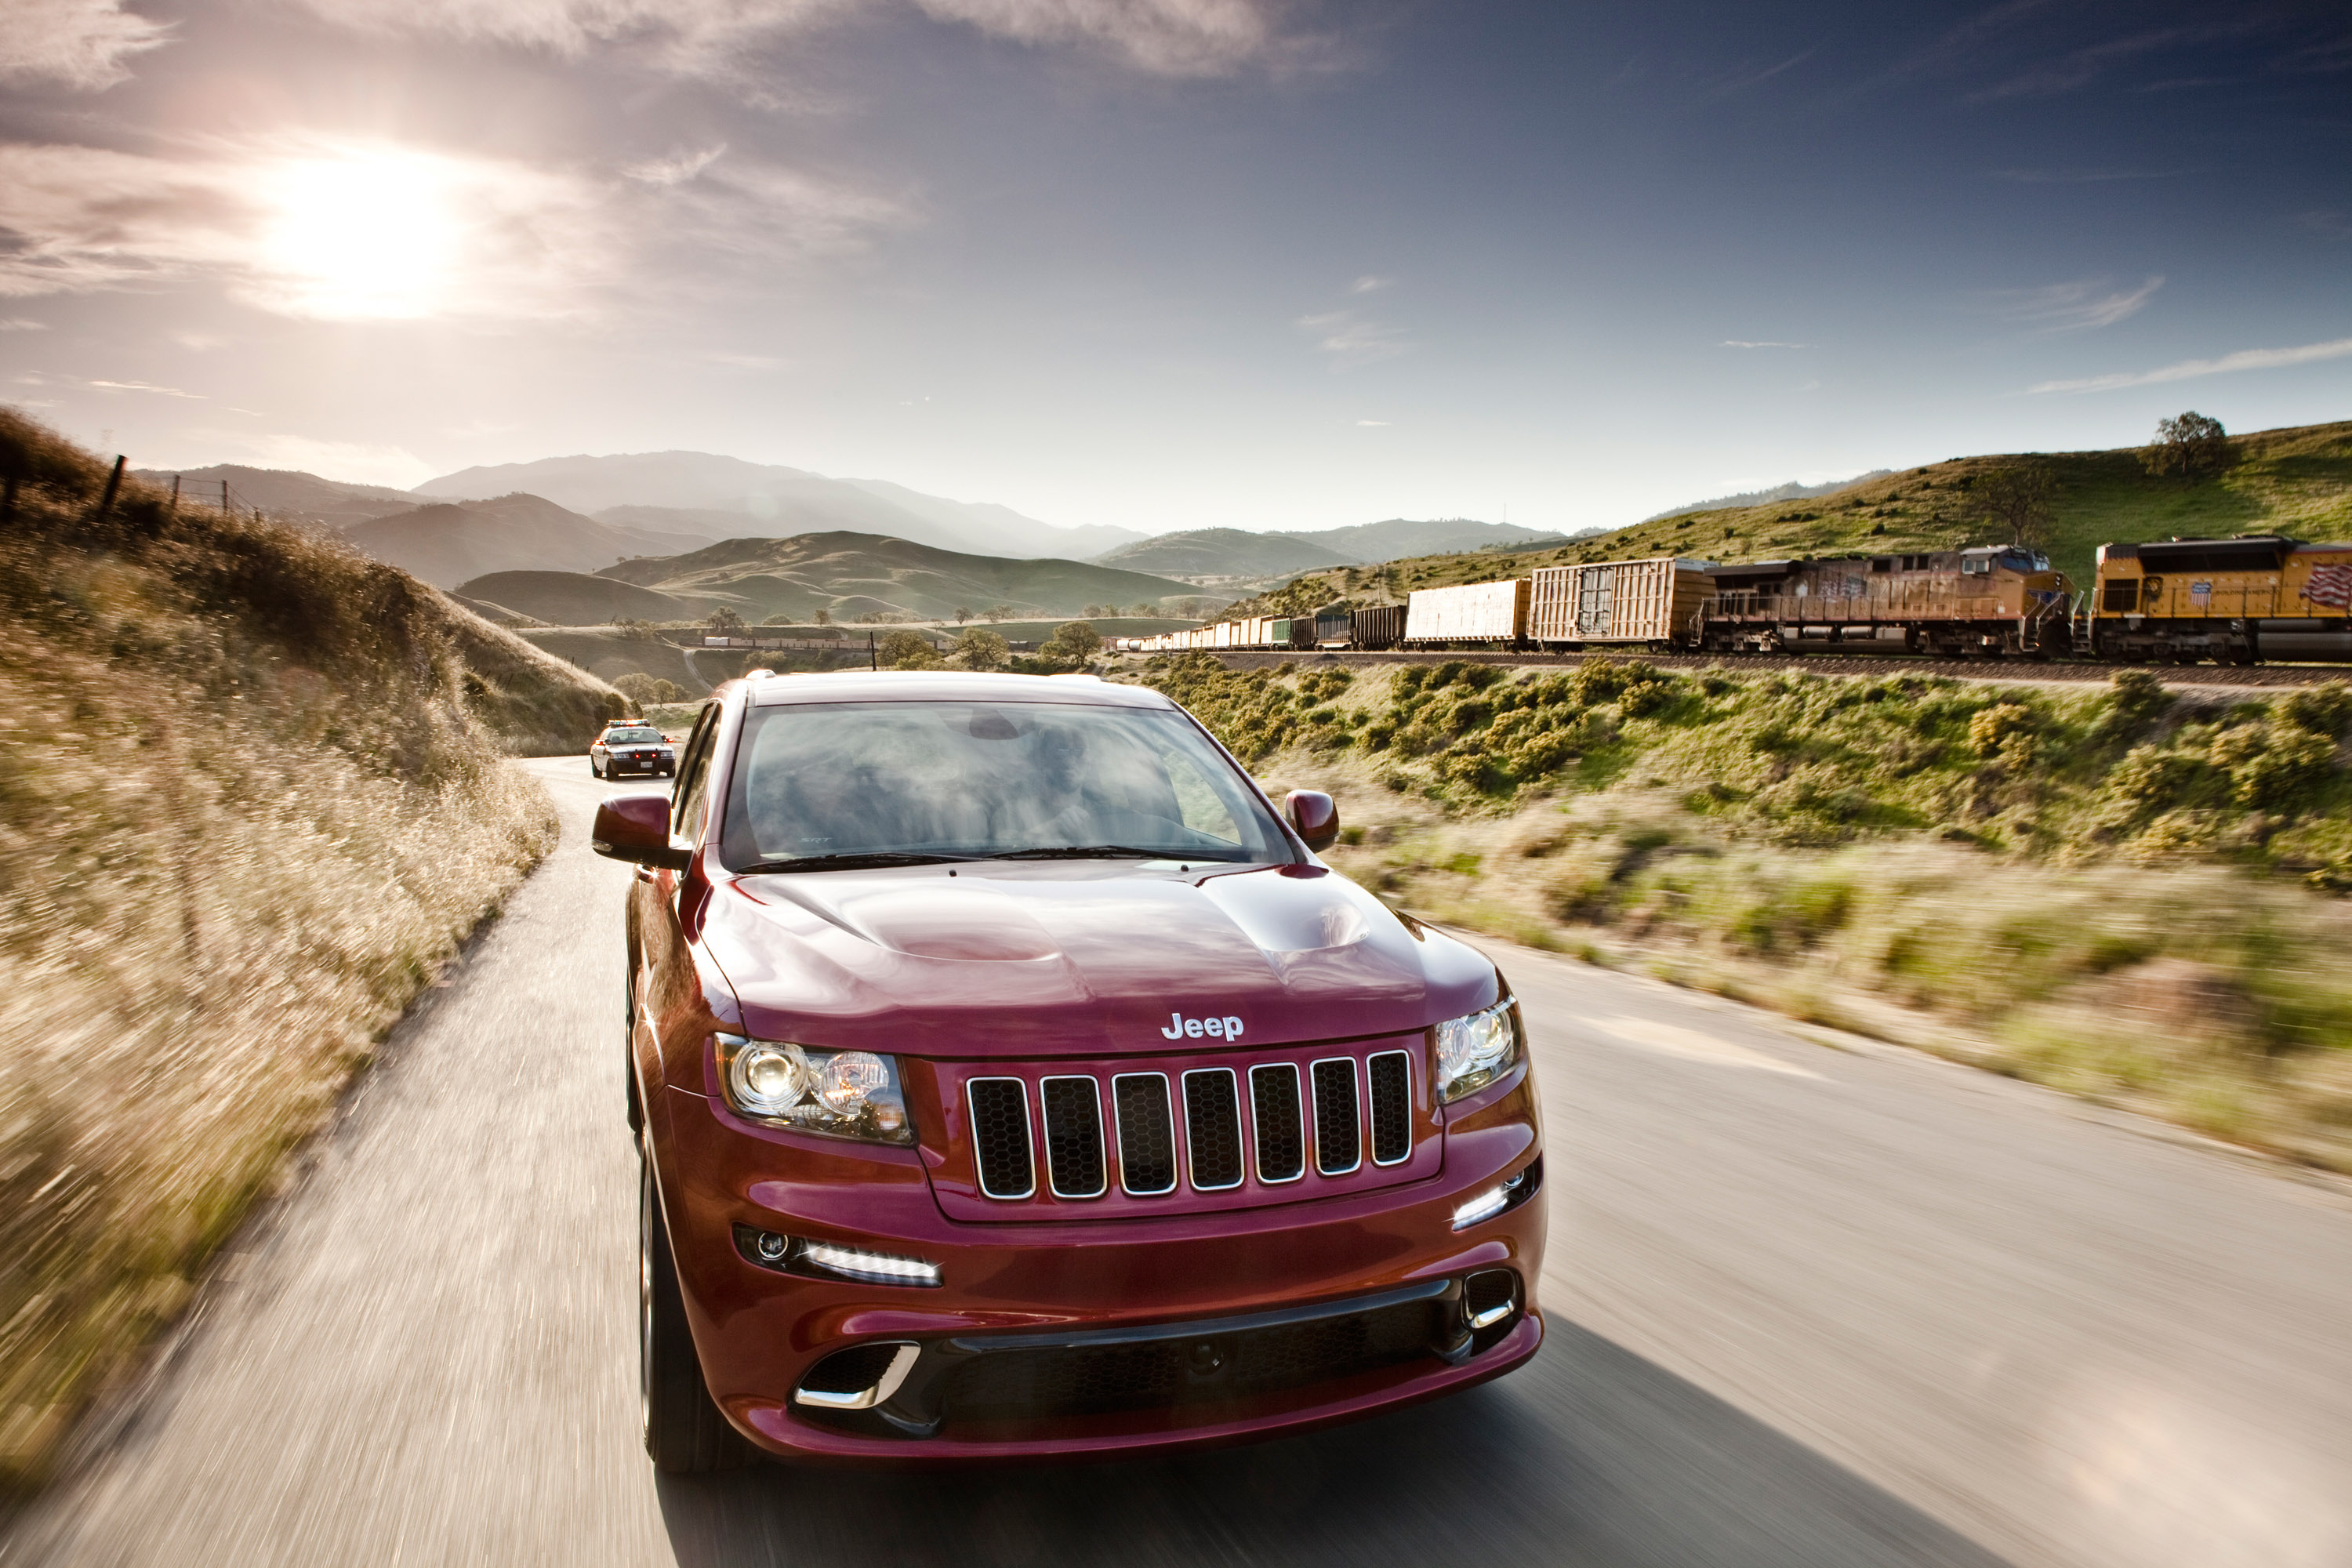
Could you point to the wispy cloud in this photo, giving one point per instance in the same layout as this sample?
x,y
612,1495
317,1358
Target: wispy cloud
x,y
81,42
1371,283
714,38
22,324
2189,369
2081,306
1759,343
1373,424
353,230
146,386
1352,339
676,169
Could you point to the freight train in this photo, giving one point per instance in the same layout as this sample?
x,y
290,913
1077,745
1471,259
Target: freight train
x,y
2235,600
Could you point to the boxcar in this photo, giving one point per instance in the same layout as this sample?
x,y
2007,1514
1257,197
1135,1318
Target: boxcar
x,y
1654,603
1471,613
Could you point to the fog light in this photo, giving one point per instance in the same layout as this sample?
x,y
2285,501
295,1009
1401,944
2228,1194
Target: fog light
x,y
771,1247
880,1267
1485,1205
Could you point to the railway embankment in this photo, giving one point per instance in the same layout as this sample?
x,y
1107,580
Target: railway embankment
x,y
252,797
2128,891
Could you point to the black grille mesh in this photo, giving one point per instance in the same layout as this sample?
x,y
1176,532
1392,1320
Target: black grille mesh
x,y
851,1371
1336,1118
1213,1124
1488,1289
1281,1138
1074,1140
1046,1384
1000,1137
1391,1107
1147,1134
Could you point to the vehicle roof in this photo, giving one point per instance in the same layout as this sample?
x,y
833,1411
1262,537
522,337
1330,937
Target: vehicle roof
x,y
948,686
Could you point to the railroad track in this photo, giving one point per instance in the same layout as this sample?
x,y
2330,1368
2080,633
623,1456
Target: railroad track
x,y
2007,671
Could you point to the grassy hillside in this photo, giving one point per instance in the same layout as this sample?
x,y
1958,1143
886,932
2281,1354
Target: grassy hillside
x,y
1222,553
854,575
285,493
448,543
251,795
2295,481
2117,891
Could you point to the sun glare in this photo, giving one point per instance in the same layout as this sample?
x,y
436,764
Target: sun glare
x,y
363,232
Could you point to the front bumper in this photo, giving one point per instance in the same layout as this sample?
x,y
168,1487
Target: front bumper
x,y
1096,1337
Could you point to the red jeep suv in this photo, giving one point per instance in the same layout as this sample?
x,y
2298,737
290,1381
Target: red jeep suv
x,y
1010,1079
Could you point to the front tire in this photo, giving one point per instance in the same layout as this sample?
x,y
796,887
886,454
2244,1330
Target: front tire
x,y
685,1433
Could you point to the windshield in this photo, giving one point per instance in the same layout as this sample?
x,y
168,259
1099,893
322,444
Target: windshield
x,y
631,737
983,779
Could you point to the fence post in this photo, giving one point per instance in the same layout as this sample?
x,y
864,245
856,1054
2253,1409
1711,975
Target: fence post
x,y
114,486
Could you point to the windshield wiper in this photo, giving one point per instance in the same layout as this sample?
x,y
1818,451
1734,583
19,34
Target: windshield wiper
x,y
1098,852
851,860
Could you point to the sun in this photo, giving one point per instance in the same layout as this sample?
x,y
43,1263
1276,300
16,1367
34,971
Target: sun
x,y
361,232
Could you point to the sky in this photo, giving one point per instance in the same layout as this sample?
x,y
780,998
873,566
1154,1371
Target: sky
x,y
1174,264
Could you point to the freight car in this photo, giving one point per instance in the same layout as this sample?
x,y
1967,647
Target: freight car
x,y
2235,601
1469,613
1649,604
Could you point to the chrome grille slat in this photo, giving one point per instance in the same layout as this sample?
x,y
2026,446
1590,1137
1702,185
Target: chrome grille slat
x,y
1213,1129
1338,1138
1392,1096
1000,1136
1074,1136
1147,1134
1279,1122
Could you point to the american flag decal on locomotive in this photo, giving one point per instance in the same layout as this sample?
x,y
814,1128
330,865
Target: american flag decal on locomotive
x,y
2330,585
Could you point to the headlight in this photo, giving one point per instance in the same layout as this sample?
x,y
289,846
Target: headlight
x,y
845,1094
1473,1052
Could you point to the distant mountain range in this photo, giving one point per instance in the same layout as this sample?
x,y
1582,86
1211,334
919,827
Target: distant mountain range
x,y
448,543
769,501
1793,490
1236,553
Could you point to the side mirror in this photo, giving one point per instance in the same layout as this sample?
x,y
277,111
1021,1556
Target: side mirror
x,y
1315,815
636,827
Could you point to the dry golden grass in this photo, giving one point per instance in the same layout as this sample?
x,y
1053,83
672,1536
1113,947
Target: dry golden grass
x,y
252,794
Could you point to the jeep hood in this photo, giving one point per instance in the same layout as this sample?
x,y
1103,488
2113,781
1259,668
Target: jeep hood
x,y
1078,958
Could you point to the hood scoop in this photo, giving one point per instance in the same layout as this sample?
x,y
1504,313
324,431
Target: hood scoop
x,y
936,920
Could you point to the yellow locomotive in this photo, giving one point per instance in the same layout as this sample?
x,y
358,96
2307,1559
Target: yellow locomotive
x,y
2234,600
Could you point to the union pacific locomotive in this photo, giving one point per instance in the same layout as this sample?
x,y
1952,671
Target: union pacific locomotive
x,y
2234,600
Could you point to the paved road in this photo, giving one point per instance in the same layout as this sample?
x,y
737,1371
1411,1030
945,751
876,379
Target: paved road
x,y
1810,1307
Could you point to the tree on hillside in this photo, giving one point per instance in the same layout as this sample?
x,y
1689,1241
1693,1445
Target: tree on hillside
x,y
995,612
1073,643
964,614
981,648
907,650
725,620
2018,500
2188,446
824,617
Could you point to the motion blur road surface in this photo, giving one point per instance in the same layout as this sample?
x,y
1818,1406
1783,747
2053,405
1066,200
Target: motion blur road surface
x,y
1809,1308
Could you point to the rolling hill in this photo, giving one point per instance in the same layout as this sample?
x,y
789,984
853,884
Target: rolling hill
x,y
849,575
1222,553
768,500
2296,480
1401,536
450,542
577,599
284,492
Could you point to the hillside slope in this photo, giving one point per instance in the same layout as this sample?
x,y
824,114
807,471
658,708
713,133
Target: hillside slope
x,y
284,492
2296,480
447,542
578,598
1222,553
850,574
251,796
